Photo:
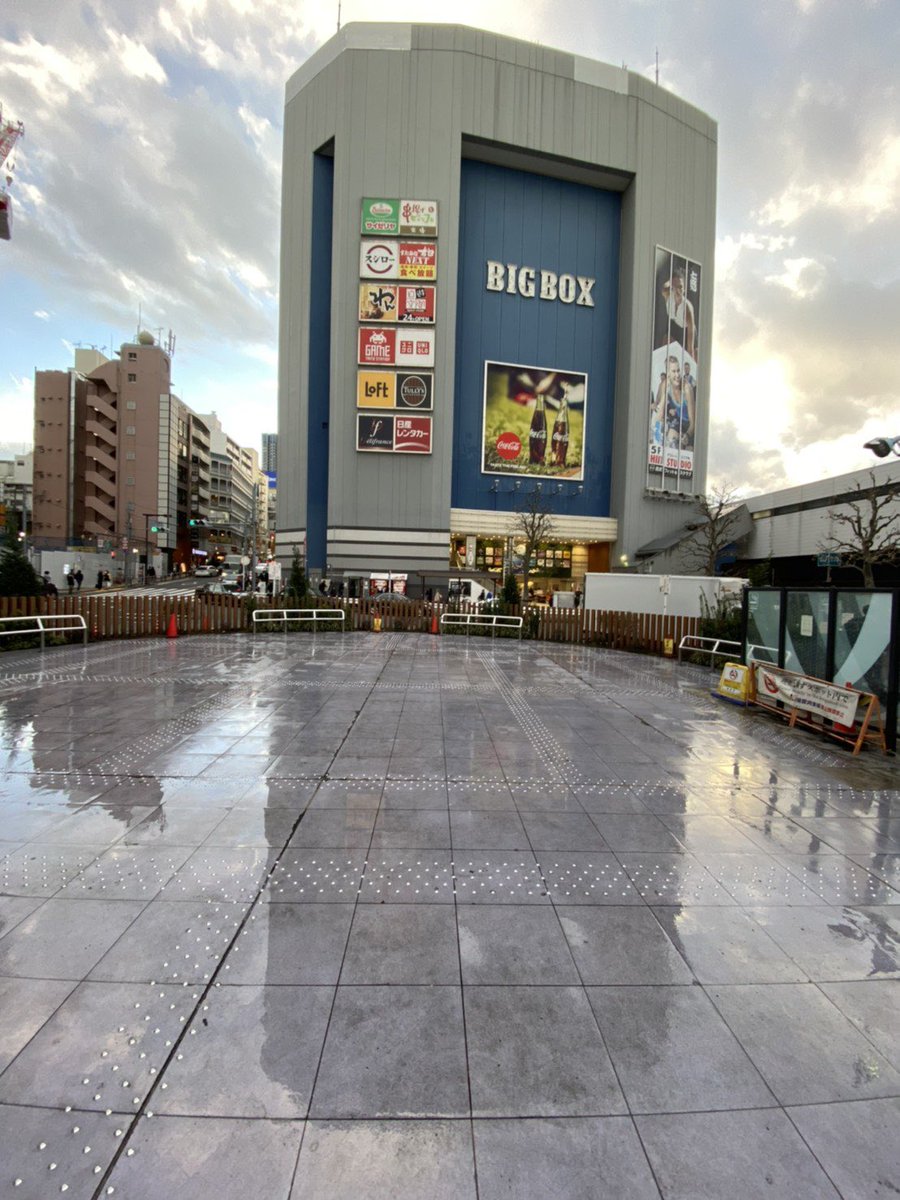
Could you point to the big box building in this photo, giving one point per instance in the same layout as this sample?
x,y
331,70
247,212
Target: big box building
x,y
496,292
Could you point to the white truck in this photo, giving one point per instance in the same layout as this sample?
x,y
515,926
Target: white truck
x,y
665,595
469,590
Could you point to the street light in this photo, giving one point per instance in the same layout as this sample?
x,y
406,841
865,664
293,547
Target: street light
x,y
882,447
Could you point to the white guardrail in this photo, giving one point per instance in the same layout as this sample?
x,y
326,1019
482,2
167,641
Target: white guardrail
x,y
710,646
492,621
44,623
281,616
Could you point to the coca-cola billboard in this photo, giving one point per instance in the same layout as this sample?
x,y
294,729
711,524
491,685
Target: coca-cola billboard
x,y
533,421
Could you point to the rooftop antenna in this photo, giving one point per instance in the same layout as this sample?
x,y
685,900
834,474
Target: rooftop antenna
x,y
339,16
657,65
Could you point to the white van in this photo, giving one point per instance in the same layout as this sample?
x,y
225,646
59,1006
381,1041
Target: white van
x,y
469,590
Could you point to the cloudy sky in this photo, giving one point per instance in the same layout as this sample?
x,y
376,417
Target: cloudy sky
x,y
149,178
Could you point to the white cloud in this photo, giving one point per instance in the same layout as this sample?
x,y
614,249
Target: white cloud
x,y
42,314
17,406
802,277
136,58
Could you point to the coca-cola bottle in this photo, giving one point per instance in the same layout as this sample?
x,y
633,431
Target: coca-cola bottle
x,y
537,436
559,443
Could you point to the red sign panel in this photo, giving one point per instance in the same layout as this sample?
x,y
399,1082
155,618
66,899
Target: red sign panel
x,y
412,434
417,260
415,305
377,347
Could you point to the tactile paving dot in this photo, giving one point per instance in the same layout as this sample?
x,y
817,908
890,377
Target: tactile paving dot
x,y
406,879
566,881
319,877
673,884
500,880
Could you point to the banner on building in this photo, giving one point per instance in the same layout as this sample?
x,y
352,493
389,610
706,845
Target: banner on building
x,y
393,434
383,215
533,421
393,303
393,389
674,370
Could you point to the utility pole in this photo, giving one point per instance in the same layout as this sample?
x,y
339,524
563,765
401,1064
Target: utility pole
x,y
148,517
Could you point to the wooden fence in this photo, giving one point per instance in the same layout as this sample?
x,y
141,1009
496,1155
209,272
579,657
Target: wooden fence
x,y
118,615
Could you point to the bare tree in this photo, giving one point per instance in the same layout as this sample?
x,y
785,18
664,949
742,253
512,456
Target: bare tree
x,y
868,528
533,524
718,525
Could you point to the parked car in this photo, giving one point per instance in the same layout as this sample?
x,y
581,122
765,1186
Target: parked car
x,y
206,571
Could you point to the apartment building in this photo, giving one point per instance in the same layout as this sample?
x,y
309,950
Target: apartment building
x,y
120,462
237,507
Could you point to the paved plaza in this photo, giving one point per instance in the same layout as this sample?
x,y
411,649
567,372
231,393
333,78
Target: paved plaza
x,y
330,917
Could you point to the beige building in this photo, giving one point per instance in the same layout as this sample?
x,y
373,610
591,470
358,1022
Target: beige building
x,y
238,502
116,453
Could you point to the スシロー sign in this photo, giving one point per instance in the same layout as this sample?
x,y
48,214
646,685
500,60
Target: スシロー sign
x,y
386,258
393,434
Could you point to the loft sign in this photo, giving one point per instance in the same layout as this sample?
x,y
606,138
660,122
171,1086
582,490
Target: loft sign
x,y
532,282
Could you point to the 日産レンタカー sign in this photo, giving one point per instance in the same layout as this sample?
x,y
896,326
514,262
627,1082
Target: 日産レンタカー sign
x,y
412,435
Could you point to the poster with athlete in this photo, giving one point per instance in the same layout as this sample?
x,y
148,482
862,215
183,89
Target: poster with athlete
x,y
674,370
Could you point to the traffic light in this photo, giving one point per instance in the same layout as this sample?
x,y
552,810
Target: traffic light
x,y
194,522
157,529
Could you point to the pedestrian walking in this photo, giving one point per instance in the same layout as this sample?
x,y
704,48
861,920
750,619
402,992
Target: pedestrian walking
x,y
99,579
79,578
70,581
107,582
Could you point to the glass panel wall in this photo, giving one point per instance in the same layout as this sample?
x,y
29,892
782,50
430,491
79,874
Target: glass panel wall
x,y
763,620
806,633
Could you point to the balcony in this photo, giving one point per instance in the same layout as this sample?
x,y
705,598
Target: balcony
x,y
100,431
103,407
99,457
105,486
99,506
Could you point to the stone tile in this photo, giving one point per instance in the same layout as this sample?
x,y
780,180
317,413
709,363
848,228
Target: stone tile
x,y
513,944
635,831
25,1004
742,1155
64,939
39,869
97,1051
316,876
476,829
127,873
386,1160
14,910
579,1158
856,1143
393,1052
561,832
837,943
402,944
613,945
252,1052
408,877
348,829
175,825
536,1052
677,879
256,826
196,1158
725,945
806,1050
415,829
172,942
232,875
873,1006
290,944
42,1150
498,877
673,1052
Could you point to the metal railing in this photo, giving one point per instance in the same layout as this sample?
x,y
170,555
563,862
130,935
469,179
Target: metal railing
x,y
710,646
281,616
43,623
492,621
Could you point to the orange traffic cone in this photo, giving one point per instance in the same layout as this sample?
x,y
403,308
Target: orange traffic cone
x,y
434,623
172,631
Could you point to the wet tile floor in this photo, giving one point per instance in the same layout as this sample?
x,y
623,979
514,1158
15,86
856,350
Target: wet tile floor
x,y
399,916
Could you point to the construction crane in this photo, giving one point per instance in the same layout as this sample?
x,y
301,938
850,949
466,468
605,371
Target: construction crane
x,y
10,132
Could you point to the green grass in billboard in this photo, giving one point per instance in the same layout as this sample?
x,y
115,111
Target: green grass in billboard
x,y
511,399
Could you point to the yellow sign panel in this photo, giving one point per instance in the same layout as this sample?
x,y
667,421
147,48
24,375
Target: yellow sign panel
x,y
376,389
735,682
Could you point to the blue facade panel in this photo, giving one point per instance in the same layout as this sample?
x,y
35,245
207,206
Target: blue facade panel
x,y
516,218
319,366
